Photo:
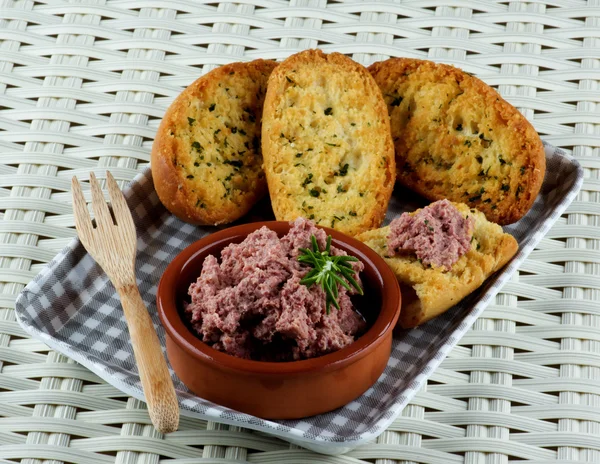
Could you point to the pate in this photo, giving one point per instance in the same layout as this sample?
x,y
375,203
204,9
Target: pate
x,y
438,234
252,305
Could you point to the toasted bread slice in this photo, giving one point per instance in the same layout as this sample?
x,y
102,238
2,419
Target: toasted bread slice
x,y
326,143
428,292
206,158
457,138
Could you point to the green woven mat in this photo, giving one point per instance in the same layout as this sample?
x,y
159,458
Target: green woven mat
x,y
83,86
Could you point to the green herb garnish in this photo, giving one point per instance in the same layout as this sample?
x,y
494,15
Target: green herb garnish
x,y
196,146
343,170
519,190
328,271
308,180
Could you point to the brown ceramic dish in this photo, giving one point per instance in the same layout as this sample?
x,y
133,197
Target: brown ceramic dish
x,y
284,390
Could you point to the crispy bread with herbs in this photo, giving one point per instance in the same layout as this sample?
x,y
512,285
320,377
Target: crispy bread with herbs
x,y
457,138
427,291
326,142
206,158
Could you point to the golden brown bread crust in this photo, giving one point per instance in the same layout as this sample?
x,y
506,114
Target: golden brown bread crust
x,y
457,138
326,143
428,292
206,159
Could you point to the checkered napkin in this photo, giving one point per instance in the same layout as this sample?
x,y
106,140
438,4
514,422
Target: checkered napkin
x,y
72,306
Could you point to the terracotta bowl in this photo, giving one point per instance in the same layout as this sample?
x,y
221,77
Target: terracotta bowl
x,y
279,390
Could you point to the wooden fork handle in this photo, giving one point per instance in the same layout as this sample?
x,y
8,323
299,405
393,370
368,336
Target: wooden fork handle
x,y
152,367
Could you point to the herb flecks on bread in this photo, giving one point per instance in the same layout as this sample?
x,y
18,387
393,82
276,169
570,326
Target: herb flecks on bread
x,y
206,158
326,143
429,291
457,138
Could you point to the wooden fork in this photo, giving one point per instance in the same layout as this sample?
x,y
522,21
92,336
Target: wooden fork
x,y
113,246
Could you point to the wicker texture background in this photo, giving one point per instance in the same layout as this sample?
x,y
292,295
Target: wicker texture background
x,y
82,88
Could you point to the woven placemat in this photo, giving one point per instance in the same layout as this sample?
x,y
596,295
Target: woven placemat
x,y
83,86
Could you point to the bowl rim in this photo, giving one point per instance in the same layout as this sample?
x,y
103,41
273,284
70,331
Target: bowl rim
x,y
176,329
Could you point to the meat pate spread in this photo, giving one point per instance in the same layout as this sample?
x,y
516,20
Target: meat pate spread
x,y
252,305
437,234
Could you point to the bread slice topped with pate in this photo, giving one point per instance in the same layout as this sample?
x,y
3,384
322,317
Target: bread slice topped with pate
x,y
457,138
328,152
440,254
206,158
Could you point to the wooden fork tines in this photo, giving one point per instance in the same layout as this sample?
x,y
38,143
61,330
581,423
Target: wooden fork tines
x,y
113,245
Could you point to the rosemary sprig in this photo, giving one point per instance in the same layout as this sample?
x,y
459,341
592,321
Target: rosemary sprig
x,y
328,271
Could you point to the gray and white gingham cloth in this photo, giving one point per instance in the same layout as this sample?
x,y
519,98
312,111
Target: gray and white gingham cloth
x,y
72,307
